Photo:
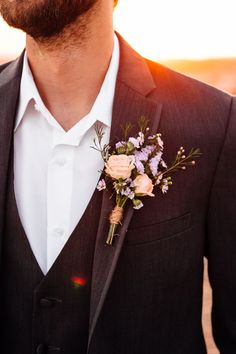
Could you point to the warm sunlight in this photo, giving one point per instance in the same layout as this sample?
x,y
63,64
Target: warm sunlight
x,y
169,29
172,29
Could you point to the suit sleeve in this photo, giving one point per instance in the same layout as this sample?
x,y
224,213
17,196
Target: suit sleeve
x,y
221,242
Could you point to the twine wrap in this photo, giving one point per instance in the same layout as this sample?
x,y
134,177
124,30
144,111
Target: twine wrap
x,y
116,215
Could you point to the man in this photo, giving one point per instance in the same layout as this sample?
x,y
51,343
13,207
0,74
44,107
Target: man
x,y
63,289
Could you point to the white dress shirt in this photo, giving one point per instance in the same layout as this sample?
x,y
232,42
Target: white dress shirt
x,y
56,172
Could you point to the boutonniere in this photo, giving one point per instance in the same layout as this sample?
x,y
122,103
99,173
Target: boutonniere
x,y
135,168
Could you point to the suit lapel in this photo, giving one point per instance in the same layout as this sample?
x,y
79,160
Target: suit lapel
x,y
134,84
9,92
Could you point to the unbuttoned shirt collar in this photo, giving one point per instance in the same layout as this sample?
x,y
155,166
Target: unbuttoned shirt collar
x,y
101,110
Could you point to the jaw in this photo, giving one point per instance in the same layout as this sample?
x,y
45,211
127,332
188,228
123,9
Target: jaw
x,y
29,16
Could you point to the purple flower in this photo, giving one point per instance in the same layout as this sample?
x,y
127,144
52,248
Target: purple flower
x,y
128,181
132,184
147,150
139,166
135,142
120,144
151,137
158,140
154,162
141,155
127,192
101,185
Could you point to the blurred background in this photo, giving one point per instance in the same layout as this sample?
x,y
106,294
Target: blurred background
x,y
193,37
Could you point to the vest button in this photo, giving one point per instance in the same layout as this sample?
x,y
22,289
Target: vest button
x,y
46,303
41,349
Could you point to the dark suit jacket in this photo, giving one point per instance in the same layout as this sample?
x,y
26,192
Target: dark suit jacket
x,y
147,289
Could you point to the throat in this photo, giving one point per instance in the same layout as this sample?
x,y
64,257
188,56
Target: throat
x,y
70,83
69,112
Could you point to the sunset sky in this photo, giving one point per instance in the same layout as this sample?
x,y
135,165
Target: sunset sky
x,y
167,29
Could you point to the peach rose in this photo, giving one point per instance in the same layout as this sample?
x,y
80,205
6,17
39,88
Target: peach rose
x,y
119,166
143,185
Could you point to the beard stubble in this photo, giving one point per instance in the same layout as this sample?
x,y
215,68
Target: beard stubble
x,y
43,19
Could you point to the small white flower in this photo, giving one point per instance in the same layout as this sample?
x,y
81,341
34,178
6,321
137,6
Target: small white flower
x,y
138,206
164,188
160,142
120,144
159,178
140,138
163,164
131,195
154,162
135,142
132,184
101,185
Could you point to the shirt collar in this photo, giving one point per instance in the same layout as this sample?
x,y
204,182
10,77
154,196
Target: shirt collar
x,y
102,107
28,91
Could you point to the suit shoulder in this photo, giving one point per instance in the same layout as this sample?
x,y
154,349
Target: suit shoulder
x,y
188,102
178,84
11,70
4,65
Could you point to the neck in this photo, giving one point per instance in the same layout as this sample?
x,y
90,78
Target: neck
x,y
70,68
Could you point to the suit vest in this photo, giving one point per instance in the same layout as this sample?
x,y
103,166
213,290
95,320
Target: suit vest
x,y
46,314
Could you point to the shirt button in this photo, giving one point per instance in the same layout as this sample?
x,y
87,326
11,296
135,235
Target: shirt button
x,y
36,107
49,302
60,161
46,303
53,349
58,232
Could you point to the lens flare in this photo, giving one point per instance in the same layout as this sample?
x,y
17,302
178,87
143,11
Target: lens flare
x,y
79,282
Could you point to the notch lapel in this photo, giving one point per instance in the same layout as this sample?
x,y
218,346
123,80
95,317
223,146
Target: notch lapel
x,y
9,92
134,84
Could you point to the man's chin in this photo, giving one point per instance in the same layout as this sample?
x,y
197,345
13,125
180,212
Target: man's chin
x,y
43,19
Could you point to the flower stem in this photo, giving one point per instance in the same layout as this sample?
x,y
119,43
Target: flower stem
x,y
115,219
111,234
